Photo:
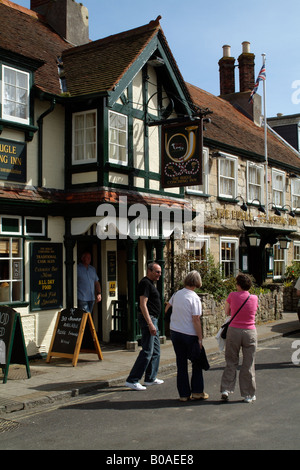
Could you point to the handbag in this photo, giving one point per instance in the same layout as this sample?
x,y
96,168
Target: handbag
x,y
199,355
226,325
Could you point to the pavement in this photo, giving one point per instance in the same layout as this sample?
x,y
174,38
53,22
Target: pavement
x,y
60,381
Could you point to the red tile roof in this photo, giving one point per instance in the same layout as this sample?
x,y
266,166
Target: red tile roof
x,y
229,126
52,196
98,66
26,33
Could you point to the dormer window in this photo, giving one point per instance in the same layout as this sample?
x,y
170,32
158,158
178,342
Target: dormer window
x,y
15,95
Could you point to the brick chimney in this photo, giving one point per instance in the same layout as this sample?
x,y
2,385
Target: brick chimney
x,y
246,68
240,99
68,18
226,68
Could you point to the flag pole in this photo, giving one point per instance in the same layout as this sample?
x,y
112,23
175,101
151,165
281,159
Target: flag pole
x,y
266,142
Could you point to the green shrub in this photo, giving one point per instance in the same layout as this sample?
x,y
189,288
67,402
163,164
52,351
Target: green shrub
x,y
291,274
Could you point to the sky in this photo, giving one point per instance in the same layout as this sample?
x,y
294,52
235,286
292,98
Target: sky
x,y
196,30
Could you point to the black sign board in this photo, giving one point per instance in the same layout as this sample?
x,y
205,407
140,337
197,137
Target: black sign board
x,y
70,336
46,268
12,161
182,158
12,343
111,265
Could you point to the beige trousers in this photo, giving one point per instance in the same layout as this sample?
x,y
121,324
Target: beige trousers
x,y
237,339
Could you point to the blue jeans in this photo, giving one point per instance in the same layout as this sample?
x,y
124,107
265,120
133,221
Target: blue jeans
x,y
148,359
86,305
183,347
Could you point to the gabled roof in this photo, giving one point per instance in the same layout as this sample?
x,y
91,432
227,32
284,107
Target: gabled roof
x,y
234,130
26,34
100,66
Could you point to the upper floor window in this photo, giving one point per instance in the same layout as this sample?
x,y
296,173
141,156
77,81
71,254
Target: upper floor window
x,y
118,138
84,137
15,95
227,176
255,182
278,188
295,185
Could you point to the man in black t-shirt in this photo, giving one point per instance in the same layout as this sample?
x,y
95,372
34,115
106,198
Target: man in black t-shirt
x,y
149,310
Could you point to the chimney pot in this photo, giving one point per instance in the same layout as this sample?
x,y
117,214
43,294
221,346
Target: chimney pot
x,y
226,51
246,47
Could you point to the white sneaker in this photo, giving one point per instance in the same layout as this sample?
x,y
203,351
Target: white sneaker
x,y
249,399
155,382
135,386
225,395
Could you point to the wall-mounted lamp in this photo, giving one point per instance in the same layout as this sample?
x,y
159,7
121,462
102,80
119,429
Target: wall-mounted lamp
x,y
244,205
275,209
254,238
284,242
260,208
291,213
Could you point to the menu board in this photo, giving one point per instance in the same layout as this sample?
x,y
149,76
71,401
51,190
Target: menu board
x,y
46,268
72,336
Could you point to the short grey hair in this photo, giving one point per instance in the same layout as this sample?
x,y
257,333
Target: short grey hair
x,y
150,266
193,279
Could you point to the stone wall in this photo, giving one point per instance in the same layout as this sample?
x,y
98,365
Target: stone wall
x,y
270,307
290,299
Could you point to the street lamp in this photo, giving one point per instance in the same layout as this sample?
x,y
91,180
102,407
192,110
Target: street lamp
x,y
284,242
254,238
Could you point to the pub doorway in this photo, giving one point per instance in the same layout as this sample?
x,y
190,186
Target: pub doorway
x,y
94,248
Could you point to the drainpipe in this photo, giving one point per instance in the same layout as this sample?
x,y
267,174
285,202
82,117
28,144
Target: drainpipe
x,y
40,143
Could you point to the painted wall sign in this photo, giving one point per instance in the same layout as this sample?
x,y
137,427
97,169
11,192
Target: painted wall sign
x,y
12,161
182,155
46,268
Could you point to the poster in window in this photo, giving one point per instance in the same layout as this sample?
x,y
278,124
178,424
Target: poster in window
x,y
46,268
182,155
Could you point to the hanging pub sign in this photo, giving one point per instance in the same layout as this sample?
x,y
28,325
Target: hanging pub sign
x,y
182,154
12,161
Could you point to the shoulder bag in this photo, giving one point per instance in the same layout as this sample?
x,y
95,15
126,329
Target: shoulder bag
x,y
226,325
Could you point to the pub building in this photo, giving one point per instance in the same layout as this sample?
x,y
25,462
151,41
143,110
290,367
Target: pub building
x,y
87,131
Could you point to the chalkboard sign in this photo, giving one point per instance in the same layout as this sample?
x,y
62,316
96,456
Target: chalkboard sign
x,y
46,270
12,343
70,336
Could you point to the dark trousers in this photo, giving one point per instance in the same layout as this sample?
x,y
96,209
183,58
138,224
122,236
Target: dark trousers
x,y
148,359
183,345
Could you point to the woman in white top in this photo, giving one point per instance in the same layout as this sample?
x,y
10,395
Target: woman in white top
x,y
185,328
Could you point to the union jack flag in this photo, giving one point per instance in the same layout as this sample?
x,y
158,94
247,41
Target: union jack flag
x,y
261,76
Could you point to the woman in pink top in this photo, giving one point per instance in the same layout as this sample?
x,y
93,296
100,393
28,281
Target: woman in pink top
x,y
241,334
